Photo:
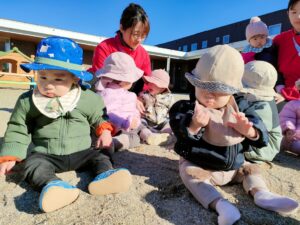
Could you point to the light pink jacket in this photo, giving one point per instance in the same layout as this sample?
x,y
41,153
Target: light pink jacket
x,y
290,116
121,106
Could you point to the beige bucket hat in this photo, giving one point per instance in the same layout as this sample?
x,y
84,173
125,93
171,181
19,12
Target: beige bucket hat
x,y
259,80
219,70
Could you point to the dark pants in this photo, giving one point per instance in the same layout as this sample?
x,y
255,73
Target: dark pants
x,y
39,169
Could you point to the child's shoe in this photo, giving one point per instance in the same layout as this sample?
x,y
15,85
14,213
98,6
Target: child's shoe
x,y
111,181
158,138
57,194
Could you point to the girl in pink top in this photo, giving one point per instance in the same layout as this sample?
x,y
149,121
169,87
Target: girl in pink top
x,y
134,28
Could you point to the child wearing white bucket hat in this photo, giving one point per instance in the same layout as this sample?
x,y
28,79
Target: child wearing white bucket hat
x,y
260,46
214,132
157,101
116,77
259,80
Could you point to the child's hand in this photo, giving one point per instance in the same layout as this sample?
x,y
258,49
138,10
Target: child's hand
x,y
243,125
6,167
104,140
134,123
140,106
200,118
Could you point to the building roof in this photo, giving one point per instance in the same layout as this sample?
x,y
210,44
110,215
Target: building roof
x,y
21,29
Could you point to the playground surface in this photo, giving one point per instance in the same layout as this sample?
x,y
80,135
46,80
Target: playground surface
x,y
157,195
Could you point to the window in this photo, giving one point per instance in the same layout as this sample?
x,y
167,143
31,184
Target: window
x,y
226,39
4,44
275,29
185,48
217,39
194,46
204,44
179,48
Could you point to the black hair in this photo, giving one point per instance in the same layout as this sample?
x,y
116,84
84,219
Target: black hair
x,y
133,14
291,4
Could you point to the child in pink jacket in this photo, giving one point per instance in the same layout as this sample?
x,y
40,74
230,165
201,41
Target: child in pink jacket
x,y
290,125
116,77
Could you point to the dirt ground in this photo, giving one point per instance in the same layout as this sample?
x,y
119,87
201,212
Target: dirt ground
x,y
157,195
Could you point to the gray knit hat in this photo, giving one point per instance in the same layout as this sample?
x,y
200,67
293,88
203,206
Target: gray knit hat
x,y
219,70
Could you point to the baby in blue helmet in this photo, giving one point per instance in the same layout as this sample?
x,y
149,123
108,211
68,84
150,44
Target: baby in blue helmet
x,y
56,117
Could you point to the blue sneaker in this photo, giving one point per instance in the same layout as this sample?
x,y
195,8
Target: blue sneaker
x,y
57,194
111,181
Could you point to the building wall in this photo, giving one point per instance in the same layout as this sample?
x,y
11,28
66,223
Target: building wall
x,y
236,32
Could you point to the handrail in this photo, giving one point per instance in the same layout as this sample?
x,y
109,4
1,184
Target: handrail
x,y
16,82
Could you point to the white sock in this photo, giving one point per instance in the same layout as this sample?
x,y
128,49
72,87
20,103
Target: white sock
x,y
274,202
228,213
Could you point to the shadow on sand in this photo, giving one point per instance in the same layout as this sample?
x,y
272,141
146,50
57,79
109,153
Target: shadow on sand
x,y
287,160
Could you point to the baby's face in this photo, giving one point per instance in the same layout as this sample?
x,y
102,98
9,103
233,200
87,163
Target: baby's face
x,y
105,81
55,83
258,41
154,89
212,100
110,83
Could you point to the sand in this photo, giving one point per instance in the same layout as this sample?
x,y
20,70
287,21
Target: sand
x,y
157,195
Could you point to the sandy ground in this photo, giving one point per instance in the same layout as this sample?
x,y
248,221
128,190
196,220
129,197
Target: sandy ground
x,y
157,195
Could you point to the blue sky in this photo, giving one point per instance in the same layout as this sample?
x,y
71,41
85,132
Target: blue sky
x,y
170,19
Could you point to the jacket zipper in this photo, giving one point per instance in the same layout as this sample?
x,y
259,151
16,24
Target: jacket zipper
x,y
63,133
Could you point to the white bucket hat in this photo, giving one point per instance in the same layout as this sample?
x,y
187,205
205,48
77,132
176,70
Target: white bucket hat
x,y
219,70
259,80
121,67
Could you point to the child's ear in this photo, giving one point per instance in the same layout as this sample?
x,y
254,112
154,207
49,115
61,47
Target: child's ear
x,y
121,28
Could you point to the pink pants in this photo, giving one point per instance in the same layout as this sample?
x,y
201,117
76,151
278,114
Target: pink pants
x,y
201,183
